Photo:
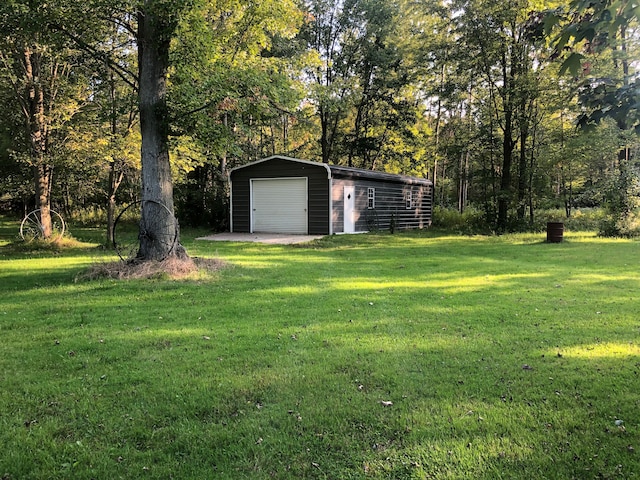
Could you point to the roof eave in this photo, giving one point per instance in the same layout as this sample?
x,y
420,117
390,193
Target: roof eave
x,y
283,157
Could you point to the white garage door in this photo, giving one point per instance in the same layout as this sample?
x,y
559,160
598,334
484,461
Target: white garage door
x,y
279,205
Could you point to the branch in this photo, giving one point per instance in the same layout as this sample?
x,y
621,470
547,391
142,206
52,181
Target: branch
x,y
126,75
195,110
125,25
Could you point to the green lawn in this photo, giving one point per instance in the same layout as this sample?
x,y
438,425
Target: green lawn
x,y
416,355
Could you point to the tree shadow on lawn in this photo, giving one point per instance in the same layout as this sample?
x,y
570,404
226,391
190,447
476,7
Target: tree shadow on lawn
x,y
310,404
264,373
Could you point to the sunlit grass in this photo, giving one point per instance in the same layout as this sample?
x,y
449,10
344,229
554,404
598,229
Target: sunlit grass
x,y
419,355
630,351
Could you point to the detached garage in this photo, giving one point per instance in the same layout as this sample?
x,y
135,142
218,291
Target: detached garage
x,y
287,195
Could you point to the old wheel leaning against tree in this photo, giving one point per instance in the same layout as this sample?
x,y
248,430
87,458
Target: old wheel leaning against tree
x,y
32,227
158,231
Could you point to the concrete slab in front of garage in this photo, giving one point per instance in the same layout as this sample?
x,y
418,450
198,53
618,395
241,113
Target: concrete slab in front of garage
x,y
272,238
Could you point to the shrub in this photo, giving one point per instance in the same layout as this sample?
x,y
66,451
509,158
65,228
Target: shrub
x,y
473,221
586,219
627,226
89,217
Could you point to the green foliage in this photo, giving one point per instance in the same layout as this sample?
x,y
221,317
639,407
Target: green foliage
x,y
361,82
473,222
626,226
464,93
469,222
595,27
92,216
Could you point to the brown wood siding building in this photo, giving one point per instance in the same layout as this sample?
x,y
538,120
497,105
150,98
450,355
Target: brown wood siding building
x,y
281,194
404,206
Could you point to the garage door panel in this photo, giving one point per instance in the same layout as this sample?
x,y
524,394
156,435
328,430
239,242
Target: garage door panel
x,y
279,205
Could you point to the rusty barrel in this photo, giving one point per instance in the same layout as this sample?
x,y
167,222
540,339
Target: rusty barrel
x,y
555,232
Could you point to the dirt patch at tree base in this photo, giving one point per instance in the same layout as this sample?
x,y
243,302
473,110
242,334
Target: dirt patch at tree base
x,y
173,268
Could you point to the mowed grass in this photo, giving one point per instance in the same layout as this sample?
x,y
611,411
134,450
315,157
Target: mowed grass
x,y
415,355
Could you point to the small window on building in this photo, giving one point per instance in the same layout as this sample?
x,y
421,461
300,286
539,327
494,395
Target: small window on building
x,y
409,202
371,198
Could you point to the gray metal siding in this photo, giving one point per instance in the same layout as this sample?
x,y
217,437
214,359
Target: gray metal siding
x,y
390,205
318,191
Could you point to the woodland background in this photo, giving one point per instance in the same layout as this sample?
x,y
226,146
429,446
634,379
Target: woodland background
x,y
514,109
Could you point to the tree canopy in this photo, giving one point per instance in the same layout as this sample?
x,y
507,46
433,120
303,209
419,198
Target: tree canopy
x,y
483,98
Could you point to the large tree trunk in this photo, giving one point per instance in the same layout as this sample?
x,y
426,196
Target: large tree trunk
x,y
509,75
42,178
159,236
37,129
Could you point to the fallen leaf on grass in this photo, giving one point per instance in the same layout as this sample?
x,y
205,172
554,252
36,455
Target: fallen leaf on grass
x,y
386,403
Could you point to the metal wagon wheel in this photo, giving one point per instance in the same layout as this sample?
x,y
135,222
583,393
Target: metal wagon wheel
x,y
32,229
126,240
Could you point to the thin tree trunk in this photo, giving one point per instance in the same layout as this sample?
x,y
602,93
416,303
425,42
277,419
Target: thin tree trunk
x,y
115,180
437,130
324,136
115,175
285,133
624,155
532,162
504,194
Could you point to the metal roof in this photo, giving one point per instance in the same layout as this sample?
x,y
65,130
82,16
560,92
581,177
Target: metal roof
x,y
347,172
350,172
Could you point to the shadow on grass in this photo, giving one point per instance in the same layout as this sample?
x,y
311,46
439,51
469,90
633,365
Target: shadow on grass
x,y
279,368
294,406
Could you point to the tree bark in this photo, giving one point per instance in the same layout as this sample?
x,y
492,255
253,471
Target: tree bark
x,y
116,174
504,194
35,117
159,236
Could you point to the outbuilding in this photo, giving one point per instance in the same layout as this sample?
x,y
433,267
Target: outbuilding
x,y
287,195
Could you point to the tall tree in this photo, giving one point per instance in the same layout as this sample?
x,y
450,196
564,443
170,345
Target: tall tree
x,y
359,82
153,26
587,29
326,32
496,38
41,69
235,98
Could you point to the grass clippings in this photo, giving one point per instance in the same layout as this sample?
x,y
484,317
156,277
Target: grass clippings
x,y
172,268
